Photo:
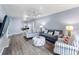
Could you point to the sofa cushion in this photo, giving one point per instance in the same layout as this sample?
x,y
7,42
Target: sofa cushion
x,y
50,33
56,33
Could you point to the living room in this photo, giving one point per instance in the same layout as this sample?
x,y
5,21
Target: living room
x,y
39,29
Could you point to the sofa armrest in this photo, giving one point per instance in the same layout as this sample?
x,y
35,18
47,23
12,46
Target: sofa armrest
x,y
63,45
65,49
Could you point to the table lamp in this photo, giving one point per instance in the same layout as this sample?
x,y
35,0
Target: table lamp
x,y
69,29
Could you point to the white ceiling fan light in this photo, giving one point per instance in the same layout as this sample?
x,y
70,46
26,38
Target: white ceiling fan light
x,y
34,12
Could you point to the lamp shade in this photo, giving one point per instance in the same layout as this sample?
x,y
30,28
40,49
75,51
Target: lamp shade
x,y
69,27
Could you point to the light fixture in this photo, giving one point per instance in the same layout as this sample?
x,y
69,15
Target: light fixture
x,y
69,29
41,26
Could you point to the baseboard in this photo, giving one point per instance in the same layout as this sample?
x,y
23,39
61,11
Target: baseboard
x,y
14,34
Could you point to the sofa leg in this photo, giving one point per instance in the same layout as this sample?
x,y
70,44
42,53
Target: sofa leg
x,y
27,38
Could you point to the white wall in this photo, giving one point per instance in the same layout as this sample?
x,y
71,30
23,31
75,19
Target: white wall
x,y
55,21
60,20
2,14
15,26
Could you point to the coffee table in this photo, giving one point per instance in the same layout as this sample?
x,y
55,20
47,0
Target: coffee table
x,y
38,41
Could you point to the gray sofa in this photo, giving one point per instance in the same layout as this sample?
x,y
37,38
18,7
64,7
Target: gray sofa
x,y
51,38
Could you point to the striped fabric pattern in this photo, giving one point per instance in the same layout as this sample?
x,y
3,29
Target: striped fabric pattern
x,y
65,49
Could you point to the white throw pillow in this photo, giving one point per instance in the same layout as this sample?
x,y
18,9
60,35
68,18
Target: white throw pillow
x,y
50,33
56,33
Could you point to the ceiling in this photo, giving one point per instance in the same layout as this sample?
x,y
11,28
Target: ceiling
x,y
19,10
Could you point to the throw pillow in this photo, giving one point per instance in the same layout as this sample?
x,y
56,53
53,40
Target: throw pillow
x,y
50,33
56,33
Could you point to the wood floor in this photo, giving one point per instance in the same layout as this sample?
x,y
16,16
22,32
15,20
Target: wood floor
x,y
20,46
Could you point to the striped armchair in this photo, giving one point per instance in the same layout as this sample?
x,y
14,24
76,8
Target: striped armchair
x,y
66,49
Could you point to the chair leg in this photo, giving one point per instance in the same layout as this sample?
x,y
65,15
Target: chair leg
x,y
56,53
